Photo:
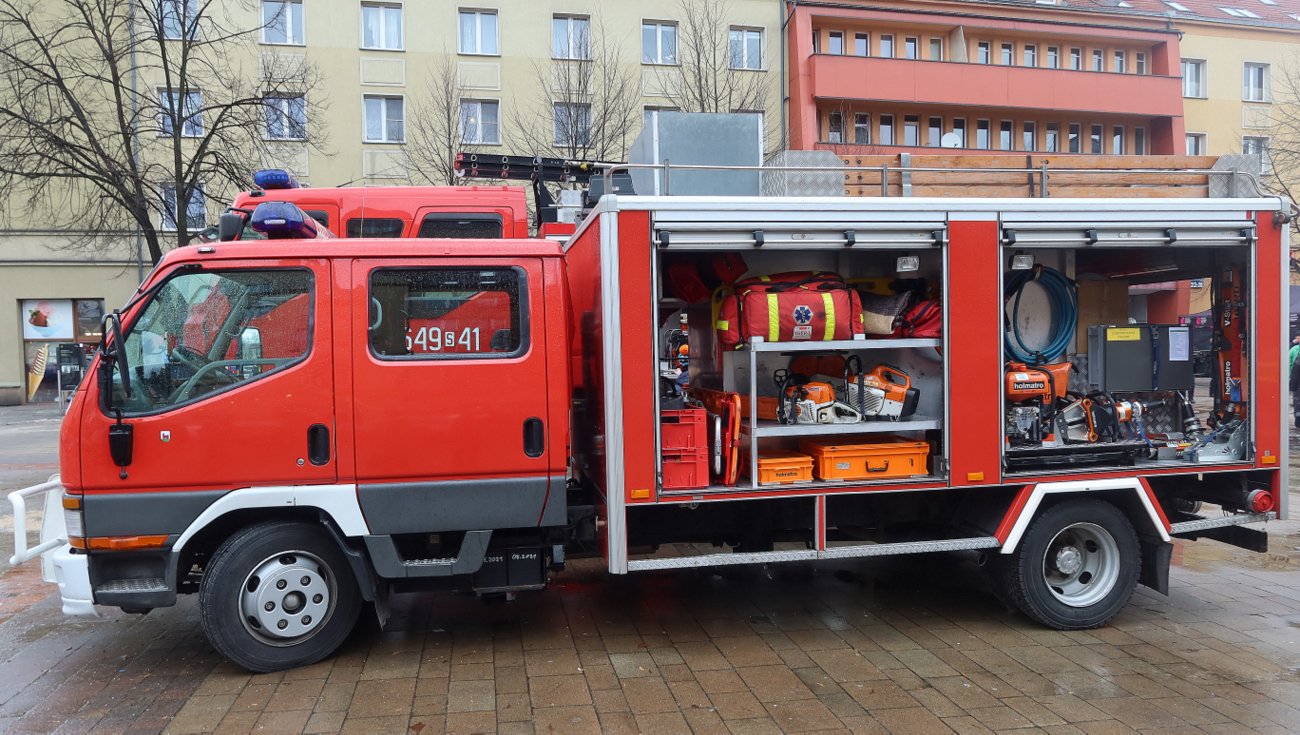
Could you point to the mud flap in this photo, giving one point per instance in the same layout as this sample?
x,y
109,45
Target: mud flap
x,y
1156,555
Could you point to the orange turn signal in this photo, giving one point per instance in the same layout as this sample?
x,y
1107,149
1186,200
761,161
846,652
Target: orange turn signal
x,y
641,494
122,543
72,502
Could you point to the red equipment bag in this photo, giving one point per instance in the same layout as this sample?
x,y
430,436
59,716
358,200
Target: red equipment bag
x,y
923,319
693,279
785,307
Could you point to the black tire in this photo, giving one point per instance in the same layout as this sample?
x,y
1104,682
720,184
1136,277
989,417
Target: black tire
x,y
1032,581
316,579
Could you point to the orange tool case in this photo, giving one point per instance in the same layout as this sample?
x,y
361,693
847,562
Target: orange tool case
x,y
892,458
777,467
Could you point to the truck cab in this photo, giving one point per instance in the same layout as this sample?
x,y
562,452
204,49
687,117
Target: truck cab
x,y
478,212
338,424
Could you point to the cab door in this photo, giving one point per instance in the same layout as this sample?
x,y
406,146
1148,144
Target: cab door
x,y
450,386
231,382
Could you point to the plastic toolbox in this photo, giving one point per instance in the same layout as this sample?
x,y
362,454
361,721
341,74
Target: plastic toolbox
x,y
778,467
686,470
890,458
683,430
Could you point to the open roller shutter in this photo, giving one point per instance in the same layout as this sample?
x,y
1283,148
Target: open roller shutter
x,y
1134,233
675,232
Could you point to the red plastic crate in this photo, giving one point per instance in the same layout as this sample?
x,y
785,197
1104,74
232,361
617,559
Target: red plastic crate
x,y
683,430
686,470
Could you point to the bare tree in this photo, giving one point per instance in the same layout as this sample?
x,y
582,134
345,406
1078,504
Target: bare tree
x,y
719,65
588,92
117,115
1283,152
440,125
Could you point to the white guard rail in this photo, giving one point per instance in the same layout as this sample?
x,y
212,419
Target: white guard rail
x,y
53,532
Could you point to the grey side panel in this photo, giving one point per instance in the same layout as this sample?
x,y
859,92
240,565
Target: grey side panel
x,y
463,505
145,514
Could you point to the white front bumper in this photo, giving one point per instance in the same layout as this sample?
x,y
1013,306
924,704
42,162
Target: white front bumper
x,y
72,573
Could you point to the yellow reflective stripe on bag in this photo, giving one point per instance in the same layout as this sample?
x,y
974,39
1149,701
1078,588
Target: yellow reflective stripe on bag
x,y
829,302
773,318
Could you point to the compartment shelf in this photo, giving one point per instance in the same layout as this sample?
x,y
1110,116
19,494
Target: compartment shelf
x,y
771,428
759,345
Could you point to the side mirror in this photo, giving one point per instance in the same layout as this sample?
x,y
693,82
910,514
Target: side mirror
x,y
229,226
250,349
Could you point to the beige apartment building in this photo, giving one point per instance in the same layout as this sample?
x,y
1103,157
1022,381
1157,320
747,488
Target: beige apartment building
x,y
378,64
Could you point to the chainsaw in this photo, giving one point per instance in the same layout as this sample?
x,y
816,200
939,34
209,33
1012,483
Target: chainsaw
x,y
806,401
885,392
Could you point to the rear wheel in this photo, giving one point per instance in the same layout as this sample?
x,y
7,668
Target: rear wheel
x,y
278,595
1075,567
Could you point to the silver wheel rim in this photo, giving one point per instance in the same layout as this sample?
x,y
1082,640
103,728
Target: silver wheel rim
x,y
1081,564
287,598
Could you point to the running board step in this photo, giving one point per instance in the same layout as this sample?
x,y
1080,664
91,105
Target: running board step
x,y
390,564
838,552
1203,524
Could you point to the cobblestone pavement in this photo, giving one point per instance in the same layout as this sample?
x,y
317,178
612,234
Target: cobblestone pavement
x,y
882,646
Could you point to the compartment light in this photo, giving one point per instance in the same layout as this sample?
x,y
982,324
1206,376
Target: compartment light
x,y
1022,261
907,264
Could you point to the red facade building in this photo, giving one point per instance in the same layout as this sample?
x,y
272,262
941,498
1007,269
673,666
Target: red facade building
x,y
987,77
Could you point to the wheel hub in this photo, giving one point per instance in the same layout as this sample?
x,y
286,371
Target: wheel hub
x,y
1069,560
286,597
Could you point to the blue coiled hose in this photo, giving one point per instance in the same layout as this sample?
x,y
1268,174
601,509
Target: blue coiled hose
x,y
1062,298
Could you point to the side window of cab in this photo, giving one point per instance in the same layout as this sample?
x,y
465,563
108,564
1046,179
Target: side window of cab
x,y
207,331
443,313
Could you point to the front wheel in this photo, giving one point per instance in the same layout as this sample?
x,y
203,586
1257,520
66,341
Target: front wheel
x,y
278,595
1075,567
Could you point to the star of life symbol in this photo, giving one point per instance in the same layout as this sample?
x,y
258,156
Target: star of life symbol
x,y
803,315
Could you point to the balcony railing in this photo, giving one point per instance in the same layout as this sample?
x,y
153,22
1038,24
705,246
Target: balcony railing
x,y
993,86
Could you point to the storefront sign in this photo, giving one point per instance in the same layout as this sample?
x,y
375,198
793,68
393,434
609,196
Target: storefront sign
x,y
48,319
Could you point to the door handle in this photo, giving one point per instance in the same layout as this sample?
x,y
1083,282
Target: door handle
x,y
318,444
534,437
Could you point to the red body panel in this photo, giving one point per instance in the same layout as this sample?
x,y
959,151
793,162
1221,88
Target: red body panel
x,y
975,347
639,367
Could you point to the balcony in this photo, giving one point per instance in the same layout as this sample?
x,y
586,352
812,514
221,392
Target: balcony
x,y
993,86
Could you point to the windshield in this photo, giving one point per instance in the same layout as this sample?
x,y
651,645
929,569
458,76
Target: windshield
x,y
205,331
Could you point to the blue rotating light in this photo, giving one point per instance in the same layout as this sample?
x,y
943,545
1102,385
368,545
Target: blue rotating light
x,y
283,221
274,178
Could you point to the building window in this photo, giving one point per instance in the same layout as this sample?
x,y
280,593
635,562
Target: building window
x,y
1117,140
817,41
1004,135
1031,55
178,18
286,118
385,119
959,127
195,209
1140,141
1258,146
1029,137
886,129
912,130
837,43
1008,56
934,132
982,134
1177,6
936,49
1140,62
1076,131
480,122
658,43
1098,60
1255,83
1076,59
836,128
650,114
1193,78
861,44
911,48
478,32
1095,140
745,48
381,27
1121,62
985,53
1196,144
862,128
1053,57
187,109
572,124
1052,137
570,37
282,22
887,45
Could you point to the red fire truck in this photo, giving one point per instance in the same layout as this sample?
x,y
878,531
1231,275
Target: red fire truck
x,y
292,431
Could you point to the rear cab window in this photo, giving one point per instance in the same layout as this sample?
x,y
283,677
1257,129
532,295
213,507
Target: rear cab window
x,y
463,226
442,313
376,227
